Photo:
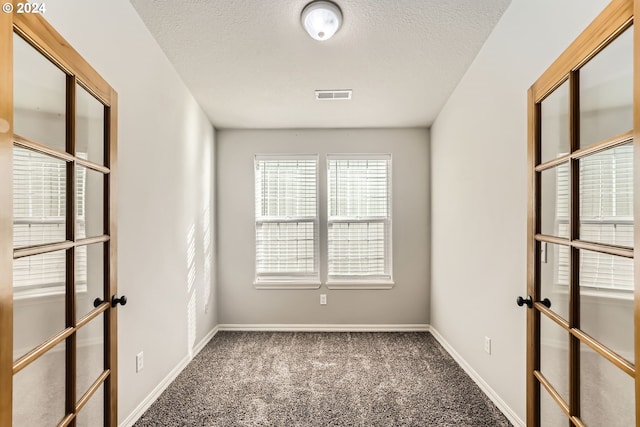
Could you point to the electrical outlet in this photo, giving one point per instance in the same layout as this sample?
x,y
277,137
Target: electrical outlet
x,y
139,361
323,299
487,345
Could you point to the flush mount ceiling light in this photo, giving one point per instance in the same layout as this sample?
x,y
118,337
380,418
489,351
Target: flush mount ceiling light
x,y
321,19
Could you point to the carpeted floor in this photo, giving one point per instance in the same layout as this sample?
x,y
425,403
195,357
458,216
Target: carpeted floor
x,y
323,379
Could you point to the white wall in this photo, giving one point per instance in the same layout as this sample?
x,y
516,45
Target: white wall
x,y
241,303
165,200
479,193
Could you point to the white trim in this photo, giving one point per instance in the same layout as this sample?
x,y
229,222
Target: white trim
x,y
204,341
608,296
358,156
286,286
166,381
602,295
286,156
45,291
387,220
491,394
324,328
353,284
312,277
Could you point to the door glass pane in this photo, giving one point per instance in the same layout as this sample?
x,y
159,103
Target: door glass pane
x,y
606,300
551,414
554,355
554,209
92,413
89,277
89,203
606,196
38,390
89,127
90,354
555,123
554,277
39,198
39,96
607,396
606,92
39,305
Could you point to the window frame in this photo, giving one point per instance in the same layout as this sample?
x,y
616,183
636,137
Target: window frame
x,y
562,262
47,288
359,281
290,280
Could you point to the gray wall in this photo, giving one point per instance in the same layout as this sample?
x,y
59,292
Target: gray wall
x,y
165,195
240,303
479,172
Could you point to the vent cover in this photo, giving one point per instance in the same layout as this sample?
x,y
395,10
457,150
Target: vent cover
x,y
333,95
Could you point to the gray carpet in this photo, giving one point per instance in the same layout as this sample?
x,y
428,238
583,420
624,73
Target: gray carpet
x,y
323,379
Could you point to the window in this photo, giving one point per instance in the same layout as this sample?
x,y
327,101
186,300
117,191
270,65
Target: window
x,y
286,220
359,219
606,216
39,216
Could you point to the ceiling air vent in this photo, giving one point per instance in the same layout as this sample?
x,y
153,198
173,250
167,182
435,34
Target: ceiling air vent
x,y
333,95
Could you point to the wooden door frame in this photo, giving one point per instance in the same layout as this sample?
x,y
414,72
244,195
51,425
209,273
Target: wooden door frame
x,y
40,34
614,19
6,218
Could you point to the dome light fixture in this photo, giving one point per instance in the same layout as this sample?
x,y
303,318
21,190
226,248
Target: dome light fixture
x,y
321,19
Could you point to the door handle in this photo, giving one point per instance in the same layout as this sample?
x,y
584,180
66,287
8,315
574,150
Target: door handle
x,y
97,302
529,302
121,300
522,301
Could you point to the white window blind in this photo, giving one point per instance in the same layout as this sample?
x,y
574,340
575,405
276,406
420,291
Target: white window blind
x,y
286,218
39,207
606,216
359,217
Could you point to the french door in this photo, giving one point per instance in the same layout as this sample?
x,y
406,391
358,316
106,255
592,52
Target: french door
x,y
58,321
583,241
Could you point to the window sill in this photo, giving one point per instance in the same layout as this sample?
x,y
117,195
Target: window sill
x,y
45,293
598,293
606,294
360,284
287,285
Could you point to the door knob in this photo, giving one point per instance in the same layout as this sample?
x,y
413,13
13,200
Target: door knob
x,y
115,301
97,302
546,302
522,301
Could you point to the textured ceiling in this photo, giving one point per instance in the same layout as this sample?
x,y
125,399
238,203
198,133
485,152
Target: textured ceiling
x,y
250,64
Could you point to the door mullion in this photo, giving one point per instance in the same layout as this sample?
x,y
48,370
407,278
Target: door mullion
x,y
71,342
533,261
534,314
574,234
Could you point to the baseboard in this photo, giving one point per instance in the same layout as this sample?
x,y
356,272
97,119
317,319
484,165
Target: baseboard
x,y
204,341
304,327
153,396
491,394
